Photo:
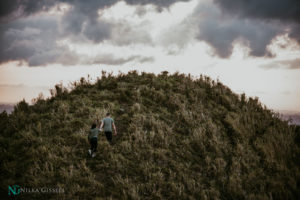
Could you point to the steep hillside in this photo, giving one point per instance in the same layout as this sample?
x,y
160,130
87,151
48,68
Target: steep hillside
x,y
178,138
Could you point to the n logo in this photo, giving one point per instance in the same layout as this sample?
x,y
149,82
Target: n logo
x,y
13,190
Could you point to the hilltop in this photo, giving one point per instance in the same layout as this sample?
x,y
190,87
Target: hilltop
x,y
179,138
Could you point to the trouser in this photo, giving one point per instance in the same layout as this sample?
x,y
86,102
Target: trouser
x,y
94,143
108,135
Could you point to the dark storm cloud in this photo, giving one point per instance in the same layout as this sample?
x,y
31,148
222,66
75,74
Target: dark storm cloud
x,y
82,19
82,13
263,9
33,39
284,11
12,9
89,7
221,32
283,64
28,7
223,35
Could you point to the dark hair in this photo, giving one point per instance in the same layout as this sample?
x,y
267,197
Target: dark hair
x,y
93,126
107,114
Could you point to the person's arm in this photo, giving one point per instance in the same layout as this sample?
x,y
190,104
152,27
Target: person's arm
x,y
115,128
102,124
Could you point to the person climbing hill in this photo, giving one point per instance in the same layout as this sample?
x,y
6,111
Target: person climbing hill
x,y
93,137
107,124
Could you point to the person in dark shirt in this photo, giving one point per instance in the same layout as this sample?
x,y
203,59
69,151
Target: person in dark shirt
x,y
93,138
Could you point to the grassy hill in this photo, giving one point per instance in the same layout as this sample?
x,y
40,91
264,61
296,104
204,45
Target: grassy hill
x,y
178,138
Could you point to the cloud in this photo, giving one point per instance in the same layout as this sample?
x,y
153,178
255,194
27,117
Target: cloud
x,y
222,31
17,8
27,7
176,43
283,64
266,9
158,3
222,24
33,40
81,18
283,11
110,59
124,34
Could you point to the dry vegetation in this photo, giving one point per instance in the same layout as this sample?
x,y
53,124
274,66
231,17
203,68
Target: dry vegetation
x,y
179,138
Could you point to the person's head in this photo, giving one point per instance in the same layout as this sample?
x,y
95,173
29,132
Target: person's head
x,y
93,126
107,114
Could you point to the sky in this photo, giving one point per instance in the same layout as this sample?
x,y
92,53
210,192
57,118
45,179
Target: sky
x,y
252,46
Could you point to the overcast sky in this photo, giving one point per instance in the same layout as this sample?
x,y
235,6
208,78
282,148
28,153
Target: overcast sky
x,y
251,46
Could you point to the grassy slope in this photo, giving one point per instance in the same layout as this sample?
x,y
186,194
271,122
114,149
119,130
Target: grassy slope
x,y
178,138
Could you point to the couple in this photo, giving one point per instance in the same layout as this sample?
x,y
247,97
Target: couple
x,y
107,124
